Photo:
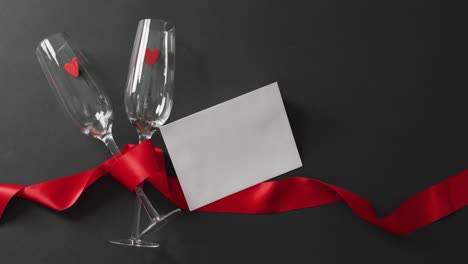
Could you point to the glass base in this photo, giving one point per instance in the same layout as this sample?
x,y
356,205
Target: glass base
x,y
159,222
132,242
154,225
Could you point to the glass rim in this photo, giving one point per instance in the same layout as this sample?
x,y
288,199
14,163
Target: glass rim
x,y
170,26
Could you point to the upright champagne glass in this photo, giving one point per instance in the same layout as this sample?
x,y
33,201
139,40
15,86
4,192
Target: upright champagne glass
x,y
150,87
67,71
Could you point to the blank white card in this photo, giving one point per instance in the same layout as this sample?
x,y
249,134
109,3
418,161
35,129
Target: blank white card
x,y
231,146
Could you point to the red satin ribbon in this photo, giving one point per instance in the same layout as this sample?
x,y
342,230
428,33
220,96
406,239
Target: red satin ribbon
x,y
144,162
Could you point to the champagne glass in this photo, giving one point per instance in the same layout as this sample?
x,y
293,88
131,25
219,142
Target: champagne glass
x,y
67,71
150,87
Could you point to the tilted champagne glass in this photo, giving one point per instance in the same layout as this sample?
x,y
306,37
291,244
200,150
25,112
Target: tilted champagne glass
x,y
68,74
150,87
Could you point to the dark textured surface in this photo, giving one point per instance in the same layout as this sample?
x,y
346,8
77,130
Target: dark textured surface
x,y
376,94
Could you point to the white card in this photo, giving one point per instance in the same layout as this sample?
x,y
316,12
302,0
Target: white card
x,y
231,146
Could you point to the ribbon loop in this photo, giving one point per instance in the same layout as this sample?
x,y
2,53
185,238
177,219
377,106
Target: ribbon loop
x,y
136,164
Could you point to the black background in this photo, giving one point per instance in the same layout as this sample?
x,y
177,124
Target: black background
x,y
375,91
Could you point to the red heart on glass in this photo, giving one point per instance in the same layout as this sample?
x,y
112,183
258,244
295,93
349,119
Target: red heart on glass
x,y
73,68
152,56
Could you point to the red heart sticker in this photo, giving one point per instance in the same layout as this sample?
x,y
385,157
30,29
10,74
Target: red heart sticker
x,y
152,56
73,68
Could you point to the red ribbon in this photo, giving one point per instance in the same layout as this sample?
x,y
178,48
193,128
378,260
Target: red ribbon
x,y
144,162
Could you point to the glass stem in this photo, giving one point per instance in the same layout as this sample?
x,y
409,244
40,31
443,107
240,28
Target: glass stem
x,y
141,198
151,211
144,136
111,145
135,228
